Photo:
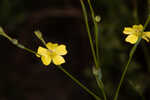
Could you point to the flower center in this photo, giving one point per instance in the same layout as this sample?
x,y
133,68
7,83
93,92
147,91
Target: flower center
x,y
52,52
139,32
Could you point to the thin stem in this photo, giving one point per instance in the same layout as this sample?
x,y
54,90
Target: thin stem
x,y
126,67
31,51
79,83
101,86
95,32
99,81
15,42
147,22
88,31
96,56
43,41
6,36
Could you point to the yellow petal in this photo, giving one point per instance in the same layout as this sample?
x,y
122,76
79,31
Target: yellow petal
x,y
138,27
42,51
131,39
128,30
58,60
147,34
61,50
46,60
51,46
145,38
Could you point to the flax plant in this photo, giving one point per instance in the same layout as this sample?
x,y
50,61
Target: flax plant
x,y
53,52
136,43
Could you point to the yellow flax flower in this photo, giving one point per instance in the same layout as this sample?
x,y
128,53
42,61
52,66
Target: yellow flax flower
x,y
134,33
53,53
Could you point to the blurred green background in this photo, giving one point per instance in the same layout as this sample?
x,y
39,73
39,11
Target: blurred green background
x,y
24,77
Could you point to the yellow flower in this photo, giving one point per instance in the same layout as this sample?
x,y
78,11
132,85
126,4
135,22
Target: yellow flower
x,y
53,53
134,33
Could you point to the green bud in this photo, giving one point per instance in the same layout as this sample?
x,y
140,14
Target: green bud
x,y
38,34
15,42
97,19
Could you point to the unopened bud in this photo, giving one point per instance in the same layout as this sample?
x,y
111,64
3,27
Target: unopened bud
x,y
38,34
97,19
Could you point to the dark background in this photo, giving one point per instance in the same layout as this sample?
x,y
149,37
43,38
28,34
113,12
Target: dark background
x,y
24,77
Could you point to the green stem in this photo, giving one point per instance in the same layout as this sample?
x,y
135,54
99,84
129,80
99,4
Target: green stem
x,y
6,36
99,81
88,31
31,51
129,60
95,56
101,86
126,67
15,42
147,22
79,83
95,32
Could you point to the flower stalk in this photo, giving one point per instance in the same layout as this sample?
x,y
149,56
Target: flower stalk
x,y
79,83
15,41
129,60
95,32
88,31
